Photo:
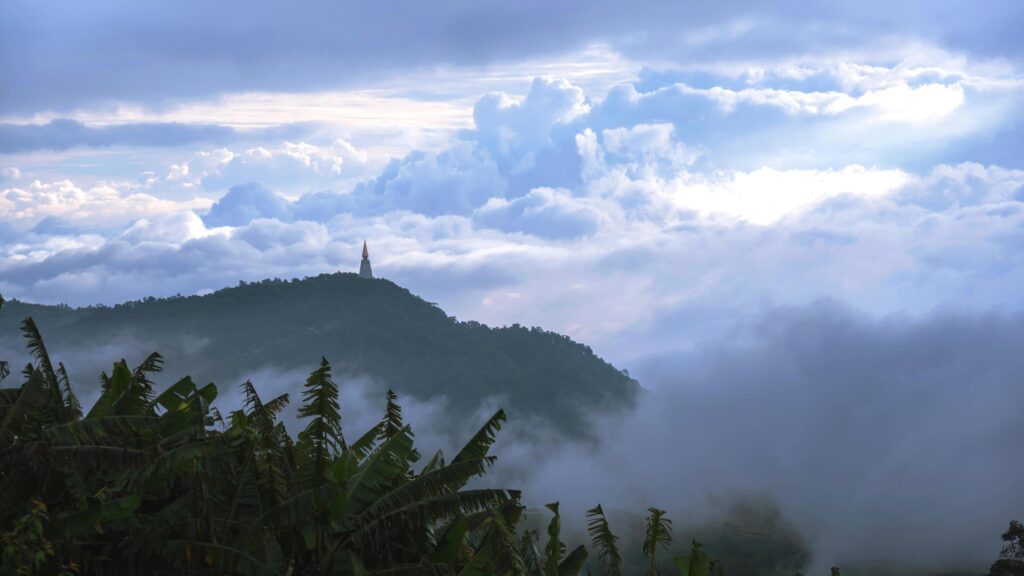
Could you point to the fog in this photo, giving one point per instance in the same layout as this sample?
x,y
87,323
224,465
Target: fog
x,y
890,441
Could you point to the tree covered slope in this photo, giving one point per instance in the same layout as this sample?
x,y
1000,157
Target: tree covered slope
x,y
370,328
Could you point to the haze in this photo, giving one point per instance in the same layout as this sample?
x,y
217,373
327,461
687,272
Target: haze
x,y
798,225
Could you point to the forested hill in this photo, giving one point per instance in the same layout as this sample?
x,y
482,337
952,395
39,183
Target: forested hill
x,y
364,327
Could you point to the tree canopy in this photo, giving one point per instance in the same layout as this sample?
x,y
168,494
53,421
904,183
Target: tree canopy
x,y
370,328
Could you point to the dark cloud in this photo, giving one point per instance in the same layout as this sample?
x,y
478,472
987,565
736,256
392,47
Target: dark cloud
x,y
61,58
65,133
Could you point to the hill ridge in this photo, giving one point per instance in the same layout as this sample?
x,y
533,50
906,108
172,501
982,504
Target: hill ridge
x,y
370,327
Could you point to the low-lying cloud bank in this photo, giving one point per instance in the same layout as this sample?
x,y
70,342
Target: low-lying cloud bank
x,y
888,442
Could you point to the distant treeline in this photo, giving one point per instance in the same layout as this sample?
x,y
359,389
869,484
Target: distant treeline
x,y
370,328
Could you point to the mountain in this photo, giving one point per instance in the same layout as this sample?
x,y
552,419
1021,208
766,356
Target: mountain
x,y
366,327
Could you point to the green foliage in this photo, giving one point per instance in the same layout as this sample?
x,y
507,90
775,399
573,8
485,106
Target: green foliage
x,y
658,534
554,549
159,483
371,327
1011,557
698,563
604,541
554,564
26,548
144,483
322,440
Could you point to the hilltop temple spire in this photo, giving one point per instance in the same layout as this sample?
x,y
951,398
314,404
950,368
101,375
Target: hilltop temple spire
x,y
364,267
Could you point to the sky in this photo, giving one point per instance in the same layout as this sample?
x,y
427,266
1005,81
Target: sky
x,y
635,177
816,207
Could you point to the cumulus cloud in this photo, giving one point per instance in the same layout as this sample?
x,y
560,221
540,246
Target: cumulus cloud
x,y
543,212
618,277
454,181
173,228
646,170
516,130
766,195
102,203
630,218
273,237
246,202
295,166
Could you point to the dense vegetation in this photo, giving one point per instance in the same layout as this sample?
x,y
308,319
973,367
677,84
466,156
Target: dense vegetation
x,y
161,483
1011,558
367,327
147,483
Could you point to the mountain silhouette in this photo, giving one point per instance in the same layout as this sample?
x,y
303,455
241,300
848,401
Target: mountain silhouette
x,y
368,328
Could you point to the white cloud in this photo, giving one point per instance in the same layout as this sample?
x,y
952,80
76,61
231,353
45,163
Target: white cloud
x,y
645,170
765,196
514,130
618,277
454,181
175,228
601,217
545,212
101,204
899,103
279,240
292,167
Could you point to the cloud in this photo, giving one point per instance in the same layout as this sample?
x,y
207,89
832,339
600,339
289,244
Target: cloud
x,y
302,239
52,56
886,441
295,166
544,212
624,279
102,203
514,131
167,229
246,202
616,224
899,104
66,133
765,195
773,123
647,171
454,181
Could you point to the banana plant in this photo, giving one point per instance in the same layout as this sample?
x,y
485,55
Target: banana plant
x,y
604,541
157,482
698,563
658,534
556,562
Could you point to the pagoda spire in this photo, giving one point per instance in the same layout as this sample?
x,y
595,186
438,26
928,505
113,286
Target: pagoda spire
x,y
364,267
